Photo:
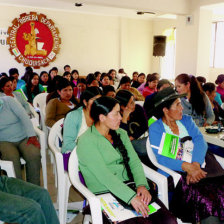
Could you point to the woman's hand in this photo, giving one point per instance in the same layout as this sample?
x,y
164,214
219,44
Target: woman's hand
x,y
126,114
139,206
33,140
194,172
144,194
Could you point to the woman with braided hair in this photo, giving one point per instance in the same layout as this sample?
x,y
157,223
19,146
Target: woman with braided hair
x,y
107,161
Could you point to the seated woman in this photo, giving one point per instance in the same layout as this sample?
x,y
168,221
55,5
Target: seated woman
x,y
6,89
134,121
67,75
17,138
125,84
58,107
150,85
107,160
196,102
199,194
140,81
78,120
51,82
81,87
210,90
109,91
32,87
75,77
134,81
133,116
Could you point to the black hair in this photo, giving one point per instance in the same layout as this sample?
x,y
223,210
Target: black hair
x,y
89,93
29,69
209,86
3,74
141,74
197,94
151,78
123,96
97,73
110,71
12,79
90,78
63,84
105,105
104,75
66,73
3,81
107,89
124,79
82,80
163,82
67,66
13,71
201,79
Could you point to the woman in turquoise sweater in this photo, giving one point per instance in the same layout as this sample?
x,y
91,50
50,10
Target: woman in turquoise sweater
x,y
107,160
32,87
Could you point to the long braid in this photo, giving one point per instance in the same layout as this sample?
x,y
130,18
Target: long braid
x,y
119,144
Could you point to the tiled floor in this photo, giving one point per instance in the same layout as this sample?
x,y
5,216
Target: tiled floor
x,y
73,194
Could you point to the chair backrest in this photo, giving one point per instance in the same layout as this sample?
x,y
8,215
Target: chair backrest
x,y
94,202
176,176
141,103
40,100
8,167
35,118
55,136
150,153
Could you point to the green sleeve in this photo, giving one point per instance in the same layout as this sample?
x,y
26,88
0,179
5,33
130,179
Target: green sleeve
x,y
134,162
71,129
89,155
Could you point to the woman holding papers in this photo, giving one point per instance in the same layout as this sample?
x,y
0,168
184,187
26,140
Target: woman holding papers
x,y
107,160
197,198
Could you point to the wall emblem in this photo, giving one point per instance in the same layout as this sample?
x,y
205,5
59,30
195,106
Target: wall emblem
x,y
33,40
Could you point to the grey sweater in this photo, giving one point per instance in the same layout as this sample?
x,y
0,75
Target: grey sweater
x,y
209,115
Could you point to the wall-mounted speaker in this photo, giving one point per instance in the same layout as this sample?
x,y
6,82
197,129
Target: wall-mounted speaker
x,y
159,45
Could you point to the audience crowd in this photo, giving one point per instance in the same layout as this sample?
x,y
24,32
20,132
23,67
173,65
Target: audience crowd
x,y
108,117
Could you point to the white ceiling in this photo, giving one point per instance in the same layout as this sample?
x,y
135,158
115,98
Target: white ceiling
x,y
124,8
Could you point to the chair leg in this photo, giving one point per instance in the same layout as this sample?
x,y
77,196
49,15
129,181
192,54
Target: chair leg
x,y
44,167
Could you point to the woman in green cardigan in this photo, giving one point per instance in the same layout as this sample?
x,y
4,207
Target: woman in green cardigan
x,y
107,160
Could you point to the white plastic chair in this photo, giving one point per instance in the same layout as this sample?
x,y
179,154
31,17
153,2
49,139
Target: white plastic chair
x,y
63,180
94,202
39,102
8,167
141,103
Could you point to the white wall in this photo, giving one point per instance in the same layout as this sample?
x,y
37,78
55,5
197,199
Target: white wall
x,y
90,42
